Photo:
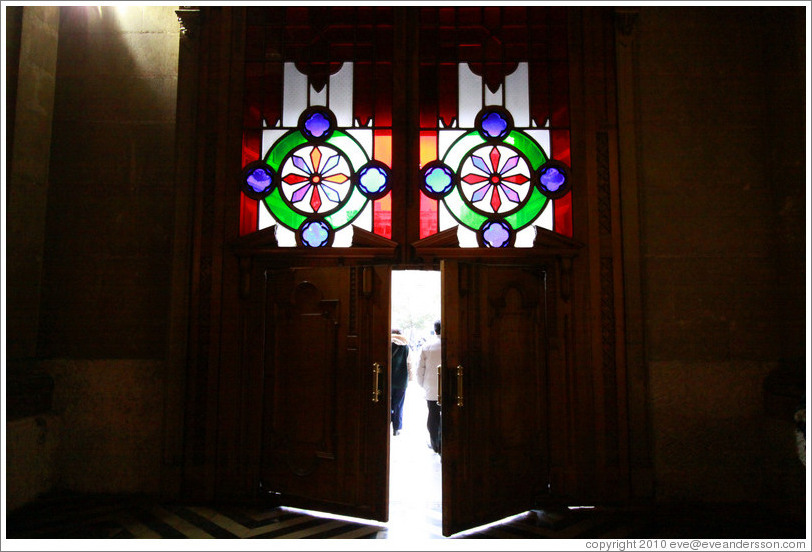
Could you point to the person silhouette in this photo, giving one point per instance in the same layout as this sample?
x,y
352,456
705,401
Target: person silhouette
x,y
430,358
399,379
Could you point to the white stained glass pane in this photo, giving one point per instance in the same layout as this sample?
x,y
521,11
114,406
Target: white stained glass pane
x,y
340,101
542,138
517,96
318,98
343,238
269,137
525,237
470,98
466,237
285,237
444,140
460,149
493,98
364,219
265,217
445,219
295,99
545,219
364,137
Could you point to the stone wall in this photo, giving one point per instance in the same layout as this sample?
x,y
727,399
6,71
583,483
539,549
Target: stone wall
x,y
717,320
90,246
111,414
106,284
28,164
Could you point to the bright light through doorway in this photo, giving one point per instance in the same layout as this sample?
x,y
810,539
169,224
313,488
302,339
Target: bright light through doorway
x,y
415,509
415,303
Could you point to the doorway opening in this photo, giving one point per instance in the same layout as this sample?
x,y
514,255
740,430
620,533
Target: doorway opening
x,y
415,480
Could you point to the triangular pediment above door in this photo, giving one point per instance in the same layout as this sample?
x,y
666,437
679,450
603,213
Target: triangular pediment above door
x,y
445,245
365,244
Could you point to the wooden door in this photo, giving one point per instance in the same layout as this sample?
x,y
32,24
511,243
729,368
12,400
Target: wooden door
x,y
494,407
325,437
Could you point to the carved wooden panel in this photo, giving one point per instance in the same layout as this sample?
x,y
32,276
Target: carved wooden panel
x,y
324,441
305,394
495,459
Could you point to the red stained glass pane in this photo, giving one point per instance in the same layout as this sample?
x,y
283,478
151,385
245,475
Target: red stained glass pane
x,y
252,116
428,216
382,216
559,73
251,144
249,213
428,96
563,215
383,95
560,144
249,208
447,103
562,208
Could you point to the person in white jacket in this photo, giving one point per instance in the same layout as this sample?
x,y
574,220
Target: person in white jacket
x,y
430,358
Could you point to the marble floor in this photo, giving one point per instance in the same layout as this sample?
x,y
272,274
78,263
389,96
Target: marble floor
x,y
415,512
415,475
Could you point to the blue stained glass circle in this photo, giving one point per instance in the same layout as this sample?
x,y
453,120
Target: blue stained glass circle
x,y
493,125
553,179
495,233
259,180
437,179
317,125
315,233
374,180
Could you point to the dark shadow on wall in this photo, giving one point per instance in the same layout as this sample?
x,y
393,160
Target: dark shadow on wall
x,y
107,253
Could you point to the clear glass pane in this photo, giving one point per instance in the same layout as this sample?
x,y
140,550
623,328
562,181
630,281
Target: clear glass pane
x,y
470,102
295,98
493,98
517,96
341,95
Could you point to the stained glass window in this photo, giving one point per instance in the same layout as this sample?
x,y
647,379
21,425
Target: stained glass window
x,y
494,124
317,129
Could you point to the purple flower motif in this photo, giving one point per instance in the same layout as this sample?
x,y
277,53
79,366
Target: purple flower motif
x,y
495,178
318,172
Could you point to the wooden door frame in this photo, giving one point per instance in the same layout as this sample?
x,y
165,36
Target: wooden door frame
x,y
606,454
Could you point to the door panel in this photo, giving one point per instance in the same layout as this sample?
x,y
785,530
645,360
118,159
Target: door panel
x,y
494,438
325,433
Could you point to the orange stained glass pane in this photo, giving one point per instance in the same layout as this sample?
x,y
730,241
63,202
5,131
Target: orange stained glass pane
x,y
428,207
383,146
428,147
382,208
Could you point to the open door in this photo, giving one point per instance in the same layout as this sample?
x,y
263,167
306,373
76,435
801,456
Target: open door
x,y
325,436
494,406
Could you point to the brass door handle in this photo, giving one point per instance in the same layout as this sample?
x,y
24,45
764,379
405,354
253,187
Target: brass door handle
x,y
376,393
459,385
439,384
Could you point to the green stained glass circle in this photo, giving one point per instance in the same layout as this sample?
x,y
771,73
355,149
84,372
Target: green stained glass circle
x,y
316,179
495,180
